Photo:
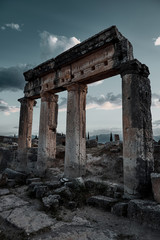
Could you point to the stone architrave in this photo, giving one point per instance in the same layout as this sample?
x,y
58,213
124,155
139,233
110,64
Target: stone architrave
x,y
137,129
75,152
47,132
25,131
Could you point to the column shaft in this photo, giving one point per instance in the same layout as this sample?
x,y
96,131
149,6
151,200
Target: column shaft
x,y
137,134
25,131
75,153
47,132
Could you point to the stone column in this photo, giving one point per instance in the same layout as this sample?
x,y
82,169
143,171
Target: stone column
x,y
137,130
75,152
47,132
25,131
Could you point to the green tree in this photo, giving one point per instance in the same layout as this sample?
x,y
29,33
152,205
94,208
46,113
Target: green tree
x,y
111,138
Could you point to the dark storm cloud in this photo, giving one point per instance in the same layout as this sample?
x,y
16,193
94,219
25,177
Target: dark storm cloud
x,y
12,78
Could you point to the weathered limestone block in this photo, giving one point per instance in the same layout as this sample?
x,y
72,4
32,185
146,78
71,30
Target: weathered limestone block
x,y
47,132
120,209
75,155
145,212
25,131
155,178
137,129
17,176
102,202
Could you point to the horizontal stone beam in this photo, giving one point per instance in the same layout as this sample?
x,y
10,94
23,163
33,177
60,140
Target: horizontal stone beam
x,y
97,58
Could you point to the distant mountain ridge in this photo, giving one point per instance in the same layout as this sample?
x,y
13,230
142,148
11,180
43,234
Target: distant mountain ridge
x,y
103,138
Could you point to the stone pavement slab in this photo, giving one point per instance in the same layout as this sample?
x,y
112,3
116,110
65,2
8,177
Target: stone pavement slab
x,y
27,219
11,201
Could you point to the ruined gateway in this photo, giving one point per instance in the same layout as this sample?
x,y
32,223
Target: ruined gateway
x,y
104,55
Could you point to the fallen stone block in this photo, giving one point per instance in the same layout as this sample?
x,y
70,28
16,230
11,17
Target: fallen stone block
x,y
31,180
17,176
27,219
64,192
3,180
120,209
155,179
40,191
11,183
145,212
53,184
32,187
4,191
102,202
107,188
11,201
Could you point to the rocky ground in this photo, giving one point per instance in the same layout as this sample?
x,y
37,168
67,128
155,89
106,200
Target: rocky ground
x,y
90,208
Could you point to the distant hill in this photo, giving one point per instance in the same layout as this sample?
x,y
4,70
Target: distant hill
x,y
103,138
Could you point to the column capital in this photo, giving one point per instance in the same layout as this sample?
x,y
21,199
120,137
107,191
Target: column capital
x,y
49,97
134,67
27,101
77,87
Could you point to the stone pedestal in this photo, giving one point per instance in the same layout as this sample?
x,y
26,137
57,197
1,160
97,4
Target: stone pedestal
x,y
47,132
75,153
137,130
25,131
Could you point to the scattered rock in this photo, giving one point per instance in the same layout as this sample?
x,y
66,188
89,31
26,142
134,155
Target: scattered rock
x,y
64,192
120,209
40,191
145,212
102,202
11,183
52,201
53,184
4,191
17,176
31,180
3,179
72,205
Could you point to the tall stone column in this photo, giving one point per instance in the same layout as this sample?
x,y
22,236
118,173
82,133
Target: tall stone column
x,y
75,153
47,132
25,131
137,129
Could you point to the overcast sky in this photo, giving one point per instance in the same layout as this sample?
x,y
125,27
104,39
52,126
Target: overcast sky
x,y
32,31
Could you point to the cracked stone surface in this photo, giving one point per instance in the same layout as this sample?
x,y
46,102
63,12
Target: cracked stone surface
x,y
27,219
11,201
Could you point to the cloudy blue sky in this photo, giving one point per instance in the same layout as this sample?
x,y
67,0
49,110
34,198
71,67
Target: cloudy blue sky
x,y
34,31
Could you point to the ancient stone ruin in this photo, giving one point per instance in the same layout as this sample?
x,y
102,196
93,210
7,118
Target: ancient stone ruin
x,y
102,56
